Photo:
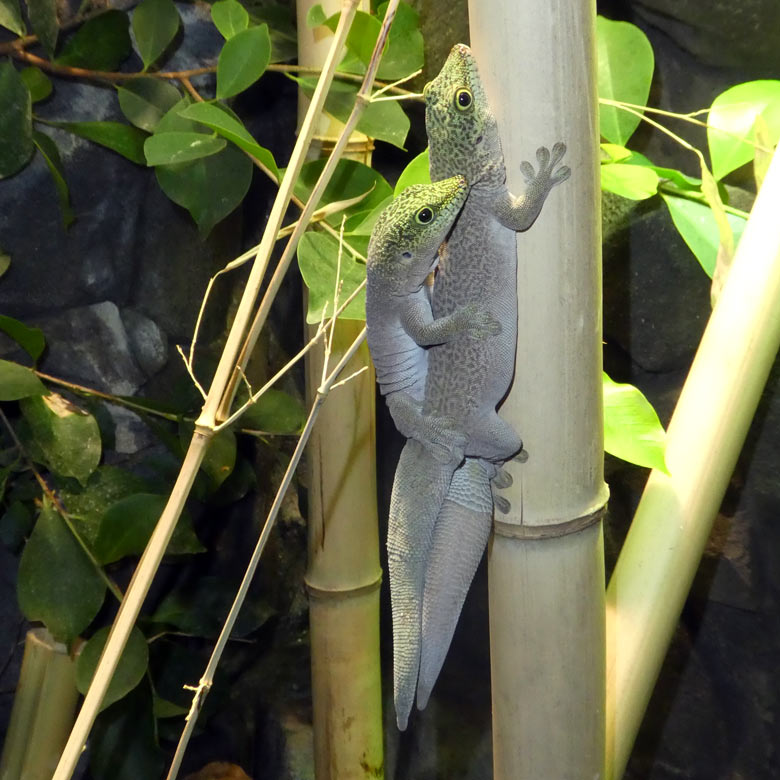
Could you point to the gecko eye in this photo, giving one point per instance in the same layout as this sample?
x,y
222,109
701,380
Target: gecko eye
x,y
424,215
463,99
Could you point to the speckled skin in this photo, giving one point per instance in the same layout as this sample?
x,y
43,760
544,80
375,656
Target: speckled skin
x,y
466,379
402,252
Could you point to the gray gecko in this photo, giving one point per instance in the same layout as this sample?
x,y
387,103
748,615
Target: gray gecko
x,y
403,250
440,517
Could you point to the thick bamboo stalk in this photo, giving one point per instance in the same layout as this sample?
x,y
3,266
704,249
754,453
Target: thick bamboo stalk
x,y
43,711
344,574
675,515
546,572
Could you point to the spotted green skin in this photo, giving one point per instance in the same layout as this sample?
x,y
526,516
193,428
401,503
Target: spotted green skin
x,y
466,380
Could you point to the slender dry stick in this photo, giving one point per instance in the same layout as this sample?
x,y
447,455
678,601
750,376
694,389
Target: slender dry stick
x,y
206,681
204,425
362,99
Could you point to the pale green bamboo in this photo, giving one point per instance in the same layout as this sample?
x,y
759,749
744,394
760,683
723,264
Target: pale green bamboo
x,y
545,564
204,426
674,517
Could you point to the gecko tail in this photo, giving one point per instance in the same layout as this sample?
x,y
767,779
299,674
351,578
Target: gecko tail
x,y
419,488
459,539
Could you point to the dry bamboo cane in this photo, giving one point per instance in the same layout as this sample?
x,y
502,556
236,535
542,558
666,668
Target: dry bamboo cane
x,y
344,574
204,427
545,564
674,517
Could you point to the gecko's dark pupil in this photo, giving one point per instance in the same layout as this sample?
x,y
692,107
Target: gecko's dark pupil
x,y
464,99
424,215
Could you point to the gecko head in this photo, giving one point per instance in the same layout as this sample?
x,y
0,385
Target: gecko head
x,y
462,131
406,238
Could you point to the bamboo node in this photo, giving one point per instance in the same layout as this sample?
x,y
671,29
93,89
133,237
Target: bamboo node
x,y
342,593
550,530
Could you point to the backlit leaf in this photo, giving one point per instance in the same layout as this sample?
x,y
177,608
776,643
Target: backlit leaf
x,y
11,16
732,119
37,82
43,18
632,430
416,172
634,182
625,70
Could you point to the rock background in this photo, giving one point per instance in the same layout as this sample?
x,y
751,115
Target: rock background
x,y
115,294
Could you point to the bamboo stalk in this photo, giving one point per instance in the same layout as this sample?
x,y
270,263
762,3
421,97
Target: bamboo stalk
x,y
673,520
344,574
43,711
545,564
204,426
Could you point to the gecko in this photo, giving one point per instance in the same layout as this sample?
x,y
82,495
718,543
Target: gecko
x,y
406,244
441,512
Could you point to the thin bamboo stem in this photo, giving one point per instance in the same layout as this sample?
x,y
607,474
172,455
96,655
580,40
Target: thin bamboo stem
x,y
673,520
204,425
206,681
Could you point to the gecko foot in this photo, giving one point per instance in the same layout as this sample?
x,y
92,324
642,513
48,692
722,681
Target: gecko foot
x,y
502,480
501,504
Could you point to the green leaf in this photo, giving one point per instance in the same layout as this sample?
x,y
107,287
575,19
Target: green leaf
x,y
697,225
416,172
58,584
625,70
171,148
404,52
43,18
275,412
68,436
18,382
86,504
200,608
123,743
167,709
350,179
31,340
129,671
385,120
220,119
121,138
317,259
632,430
37,82
220,458
51,155
15,121
732,120
155,24
102,43
316,16
230,17
11,17
145,101
127,525
209,188
15,525
243,60
5,262
634,182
